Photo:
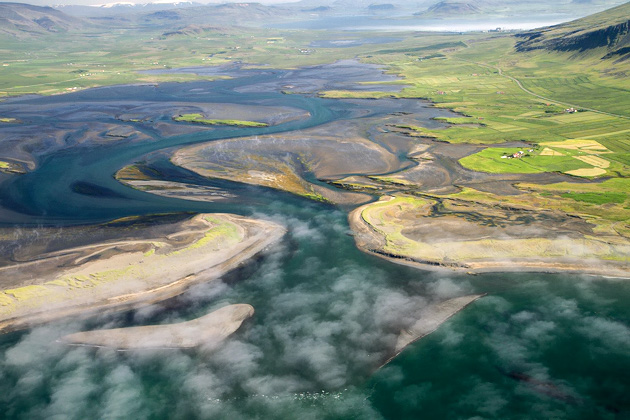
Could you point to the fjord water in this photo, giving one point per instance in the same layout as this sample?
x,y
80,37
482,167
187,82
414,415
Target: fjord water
x,y
537,346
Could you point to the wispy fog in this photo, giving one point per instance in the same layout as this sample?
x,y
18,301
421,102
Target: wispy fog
x,y
327,316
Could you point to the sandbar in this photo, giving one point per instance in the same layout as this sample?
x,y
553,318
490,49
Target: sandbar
x,y
122,274
430,320
206,332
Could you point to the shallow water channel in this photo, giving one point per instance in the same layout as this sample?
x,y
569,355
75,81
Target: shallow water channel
x,y
537,346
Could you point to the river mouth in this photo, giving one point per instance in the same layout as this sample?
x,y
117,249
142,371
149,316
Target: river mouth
x,y
325,311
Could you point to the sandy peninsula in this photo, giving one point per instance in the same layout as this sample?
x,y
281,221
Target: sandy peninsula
x,y
446,234
206,332
153,264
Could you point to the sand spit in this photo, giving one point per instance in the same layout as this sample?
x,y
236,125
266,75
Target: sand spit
x,y
127,274
447,234
430,320
206,332
177,189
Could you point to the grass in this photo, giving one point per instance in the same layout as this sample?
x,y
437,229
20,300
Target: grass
x,y
473,80
574,157
27,292
492,160
596,198
611,191
380,216
60,62
199,119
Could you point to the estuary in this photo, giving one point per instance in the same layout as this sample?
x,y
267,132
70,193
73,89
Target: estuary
x,y
326,314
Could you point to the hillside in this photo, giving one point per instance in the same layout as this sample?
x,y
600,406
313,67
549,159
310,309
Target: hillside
x,y
450,9
22,20
378,7
607,33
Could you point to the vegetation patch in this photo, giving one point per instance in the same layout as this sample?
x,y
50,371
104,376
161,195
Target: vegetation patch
x,y
199,119
597,198
508,160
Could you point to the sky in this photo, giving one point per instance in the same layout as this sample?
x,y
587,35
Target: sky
x,y
100,2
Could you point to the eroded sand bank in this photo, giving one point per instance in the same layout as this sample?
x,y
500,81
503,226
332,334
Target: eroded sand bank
x,y
128,273
206,332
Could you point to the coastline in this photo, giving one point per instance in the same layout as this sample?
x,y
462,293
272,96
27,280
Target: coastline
x,y
371,242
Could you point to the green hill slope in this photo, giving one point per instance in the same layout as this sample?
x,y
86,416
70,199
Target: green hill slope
x,y
606,33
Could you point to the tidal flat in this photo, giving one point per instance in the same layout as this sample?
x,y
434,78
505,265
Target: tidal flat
x,y
327,315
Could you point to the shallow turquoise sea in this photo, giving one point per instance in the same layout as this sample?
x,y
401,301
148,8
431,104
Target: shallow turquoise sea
x,y
537,346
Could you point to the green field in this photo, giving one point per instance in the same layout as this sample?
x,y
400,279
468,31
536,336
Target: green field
x,y
493,160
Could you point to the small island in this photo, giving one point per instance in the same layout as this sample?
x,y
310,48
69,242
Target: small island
x,y
200,119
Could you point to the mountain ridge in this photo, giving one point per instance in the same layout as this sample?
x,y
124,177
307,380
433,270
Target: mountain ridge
x,y
21,19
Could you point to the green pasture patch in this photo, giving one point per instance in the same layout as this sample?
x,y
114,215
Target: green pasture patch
x,y
597,198
492,160
458,120
613,185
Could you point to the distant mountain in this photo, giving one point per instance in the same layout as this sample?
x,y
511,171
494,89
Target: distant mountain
x,y
228,14
450,9
385,6
318,9
23,20
193,30
111,9
607,33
